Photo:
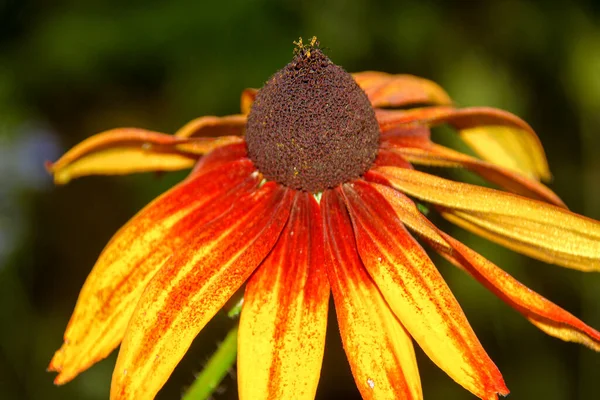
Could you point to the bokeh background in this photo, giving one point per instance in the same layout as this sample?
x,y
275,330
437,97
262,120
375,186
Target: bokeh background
x,y
69,69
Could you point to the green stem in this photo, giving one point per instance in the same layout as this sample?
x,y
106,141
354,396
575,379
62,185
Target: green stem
x,y
216,369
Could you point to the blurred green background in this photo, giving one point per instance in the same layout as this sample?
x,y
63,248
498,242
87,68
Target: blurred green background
x,y
69,69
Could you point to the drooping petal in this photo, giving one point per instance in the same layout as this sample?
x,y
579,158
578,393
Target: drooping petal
x,y
379,349
531,227
385,90
496,136
435,155
247,98
210,126
541,312
417,293
546,315
122,151
134,254
192,286
284,317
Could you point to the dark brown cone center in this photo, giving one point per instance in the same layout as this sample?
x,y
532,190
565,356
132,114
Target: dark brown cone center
x,y
311,127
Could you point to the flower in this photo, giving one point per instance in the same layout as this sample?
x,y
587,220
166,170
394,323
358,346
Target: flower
x,y
304,194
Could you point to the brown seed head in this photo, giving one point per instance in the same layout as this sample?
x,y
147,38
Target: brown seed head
x,y
311,127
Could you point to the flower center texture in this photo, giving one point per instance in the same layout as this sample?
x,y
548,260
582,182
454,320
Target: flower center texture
x,y
311,127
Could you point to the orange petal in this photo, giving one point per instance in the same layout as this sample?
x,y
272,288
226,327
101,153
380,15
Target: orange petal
x,y
541,312
531,227
385,90
248,96
133,255
284,317
546,315
434,155
417,293
209,126
379,349
192,285
122,151
496,136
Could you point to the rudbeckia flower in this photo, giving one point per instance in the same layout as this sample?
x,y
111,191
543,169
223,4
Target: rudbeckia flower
x,y
313,190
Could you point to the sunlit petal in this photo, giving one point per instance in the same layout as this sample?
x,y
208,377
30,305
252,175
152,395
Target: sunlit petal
x,y
534,228
133,255
541,312
122,151
192,286
496,136
435,155
417,293
209,126
284,318
379,349
386,90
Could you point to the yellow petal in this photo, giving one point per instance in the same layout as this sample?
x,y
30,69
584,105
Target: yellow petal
x,y
417,293
531,227
379,348
434,155
192,286
247,98
133,255
541,312
284,318
496,136
385,90
210,126
122,151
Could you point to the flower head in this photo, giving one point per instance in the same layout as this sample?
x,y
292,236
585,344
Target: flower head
x,y
310,191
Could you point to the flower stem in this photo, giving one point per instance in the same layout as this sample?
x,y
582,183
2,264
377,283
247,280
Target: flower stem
x,y
216,369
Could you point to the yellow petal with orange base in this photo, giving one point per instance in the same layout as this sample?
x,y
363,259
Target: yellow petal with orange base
x,y
284,318
496,136
386,90
431,154
192,286
541,312
132,257
379,349
417,293
130,150
540,230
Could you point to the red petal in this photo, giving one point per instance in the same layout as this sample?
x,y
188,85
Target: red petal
x,y
220,156
417,293
284,318
192,286
133,255
379,349
546,315
387,157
